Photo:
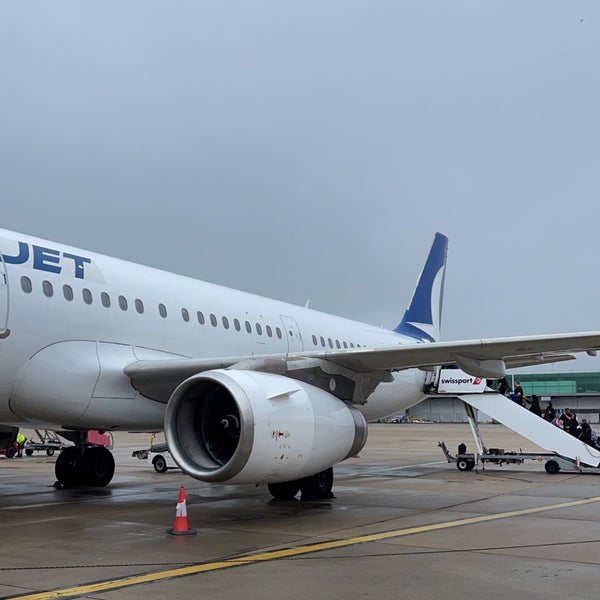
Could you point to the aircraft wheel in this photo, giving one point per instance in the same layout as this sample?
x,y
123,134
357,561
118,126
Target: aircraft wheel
x,y
552,467
65,467
98,467
318,486
285,490
160,464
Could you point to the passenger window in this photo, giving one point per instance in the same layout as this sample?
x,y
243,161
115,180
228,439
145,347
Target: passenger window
x,y
47,289
269,331
185,315
314,338
345,345
248,327
351,345
258,329
237,325
139,305
278,332
87,295
26,285
225,322
337,344
123,303
213,320
68,292
330,342
322,341
105,299
162,310
200,318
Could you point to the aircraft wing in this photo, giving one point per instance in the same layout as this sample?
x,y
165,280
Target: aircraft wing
x,y
476,357
483,358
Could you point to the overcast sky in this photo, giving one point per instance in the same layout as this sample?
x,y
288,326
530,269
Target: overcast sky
x,y
311,150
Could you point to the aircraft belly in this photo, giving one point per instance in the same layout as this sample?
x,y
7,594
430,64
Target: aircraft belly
x,y
405,391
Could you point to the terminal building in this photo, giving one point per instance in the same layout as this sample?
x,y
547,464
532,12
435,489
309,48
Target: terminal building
x,y
578,391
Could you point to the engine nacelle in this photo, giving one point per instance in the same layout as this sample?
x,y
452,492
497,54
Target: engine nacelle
x,y
253,427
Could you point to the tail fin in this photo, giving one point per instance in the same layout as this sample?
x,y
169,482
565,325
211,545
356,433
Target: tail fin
x,y
423,318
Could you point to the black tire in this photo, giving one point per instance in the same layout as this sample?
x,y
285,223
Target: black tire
x,y
552,467
160,464
65,467
49,451
324,483
462,464
317,486
29,451
94,467
286,490
10,452
98,467
471,465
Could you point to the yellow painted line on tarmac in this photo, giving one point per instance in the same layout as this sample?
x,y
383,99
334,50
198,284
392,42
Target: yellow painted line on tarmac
x,y
124,582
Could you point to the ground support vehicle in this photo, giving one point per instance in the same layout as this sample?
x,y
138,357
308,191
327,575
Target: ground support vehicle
x,y
554,462
158,456
467,461
48,442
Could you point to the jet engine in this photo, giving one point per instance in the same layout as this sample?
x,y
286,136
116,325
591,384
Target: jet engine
x,y
253,427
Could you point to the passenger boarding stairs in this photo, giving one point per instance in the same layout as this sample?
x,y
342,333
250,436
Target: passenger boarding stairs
x,y
522,421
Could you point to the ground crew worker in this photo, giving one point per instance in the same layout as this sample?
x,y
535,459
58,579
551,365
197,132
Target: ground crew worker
x,y
21,439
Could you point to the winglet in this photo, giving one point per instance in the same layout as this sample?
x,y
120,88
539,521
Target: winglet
x,y
423,318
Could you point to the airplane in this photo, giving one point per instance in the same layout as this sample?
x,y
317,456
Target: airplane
x,y
248,390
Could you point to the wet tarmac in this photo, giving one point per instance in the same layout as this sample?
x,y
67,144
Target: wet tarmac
x,y
404,524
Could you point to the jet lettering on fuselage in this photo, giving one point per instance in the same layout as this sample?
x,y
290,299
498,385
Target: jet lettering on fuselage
x,y
47,259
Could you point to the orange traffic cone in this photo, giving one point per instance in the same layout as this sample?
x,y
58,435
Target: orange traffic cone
x,y
181,521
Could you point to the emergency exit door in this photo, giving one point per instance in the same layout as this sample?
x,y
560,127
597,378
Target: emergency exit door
x,y
292,332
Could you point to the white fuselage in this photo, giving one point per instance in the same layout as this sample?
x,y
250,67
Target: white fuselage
x,y
51,293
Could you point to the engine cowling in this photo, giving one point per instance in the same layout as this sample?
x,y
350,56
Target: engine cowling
x,y
253,427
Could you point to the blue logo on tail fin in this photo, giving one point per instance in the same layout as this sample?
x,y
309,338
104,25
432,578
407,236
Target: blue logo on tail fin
x,y
423,318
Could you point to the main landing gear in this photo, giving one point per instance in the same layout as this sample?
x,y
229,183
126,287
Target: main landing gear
x,y
83,464
315,487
